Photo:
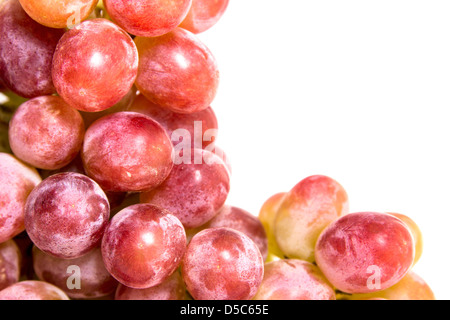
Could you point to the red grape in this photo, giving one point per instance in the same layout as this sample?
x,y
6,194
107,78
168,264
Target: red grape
x,y
177,71
193,192
126,152
53,141
241,220
32,290
94,280
222,264
143,245
95,65
365,252
292,279
193,128
147,18
58,13
66,215
26,52
204,14
173,288
10,267
17,180
305,211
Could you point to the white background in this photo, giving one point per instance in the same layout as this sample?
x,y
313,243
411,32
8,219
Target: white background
x,y
356,90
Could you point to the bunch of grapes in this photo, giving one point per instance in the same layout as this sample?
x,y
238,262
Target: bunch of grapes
x,y
112,185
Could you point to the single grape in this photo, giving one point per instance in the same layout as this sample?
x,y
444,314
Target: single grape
x,y
417,234
198,129
410,287
58,13
17,180
204,14
10,263
147,18
222,264
143,245
292,279
81,278
177,71
195,190
305,211
53,141
32,290
267,216
94,65
365,252
66,215
127,152
238,219
26,52
173,288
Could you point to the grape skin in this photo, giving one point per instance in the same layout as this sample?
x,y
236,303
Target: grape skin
x,y
10,263
53,141
66,215
204,14
33,290
222,264
17,180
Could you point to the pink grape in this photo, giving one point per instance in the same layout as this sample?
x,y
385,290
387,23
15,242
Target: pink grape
x,y
26,52
305,211
185,125
173,288
143,245
10,263
95,280
17,180
222,264
292,279
127,152
32,290
204,14
66,215
365,252
168,66
94,65
53,141
241,220
193,192
148,18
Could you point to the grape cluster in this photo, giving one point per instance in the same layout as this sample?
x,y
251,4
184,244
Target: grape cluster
x,y
112,185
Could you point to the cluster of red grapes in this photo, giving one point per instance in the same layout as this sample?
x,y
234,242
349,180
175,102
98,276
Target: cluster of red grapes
x,y
112,187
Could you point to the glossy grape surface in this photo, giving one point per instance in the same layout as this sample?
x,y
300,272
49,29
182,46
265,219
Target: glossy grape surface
x,y
143,245
147,18
168,66
94,65
127,152
365,252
